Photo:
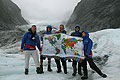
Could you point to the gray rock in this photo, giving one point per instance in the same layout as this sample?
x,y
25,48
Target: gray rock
x,y
10,15
94,15
10,37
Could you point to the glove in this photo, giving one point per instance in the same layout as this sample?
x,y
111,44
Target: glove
x,y
40,52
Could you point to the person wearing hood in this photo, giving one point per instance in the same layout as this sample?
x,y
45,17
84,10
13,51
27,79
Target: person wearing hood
x,y
48,32
88,56
77,33
29,41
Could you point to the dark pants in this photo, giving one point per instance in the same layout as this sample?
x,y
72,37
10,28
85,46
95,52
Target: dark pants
x,y
92,66
41,57
74,67
63,64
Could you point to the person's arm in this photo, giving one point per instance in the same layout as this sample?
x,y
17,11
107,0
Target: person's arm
x,y
72,34
90,44
80,34
43,34
57,32
65,32
38,44
23,41
42,37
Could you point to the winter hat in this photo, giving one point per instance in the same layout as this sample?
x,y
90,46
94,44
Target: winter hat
x,y
49,26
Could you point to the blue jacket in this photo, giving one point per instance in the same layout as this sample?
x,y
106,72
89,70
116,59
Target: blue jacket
x,y
87,45
77,33
26,40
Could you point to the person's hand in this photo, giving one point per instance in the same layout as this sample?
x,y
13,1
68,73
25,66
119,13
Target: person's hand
x,y
58,31
40,52
21,50
43,35
88,57
41,46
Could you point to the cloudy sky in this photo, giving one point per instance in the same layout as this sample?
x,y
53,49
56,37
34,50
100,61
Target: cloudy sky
x,y
46,10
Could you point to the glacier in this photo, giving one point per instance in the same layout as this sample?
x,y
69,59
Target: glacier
x,y
106,53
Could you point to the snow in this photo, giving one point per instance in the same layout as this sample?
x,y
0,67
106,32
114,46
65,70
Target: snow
x,y
106,42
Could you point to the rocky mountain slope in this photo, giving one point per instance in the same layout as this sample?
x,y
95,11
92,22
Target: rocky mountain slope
x,y
10,16
94,15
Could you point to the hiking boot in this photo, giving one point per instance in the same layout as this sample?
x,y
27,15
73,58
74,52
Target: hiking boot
x,y
65,72
38,70
80,73
41,69
103,75
26,71
49,68
74,70
84,77
59,71
74,74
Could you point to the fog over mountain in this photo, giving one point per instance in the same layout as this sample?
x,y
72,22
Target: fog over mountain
x,y
41,11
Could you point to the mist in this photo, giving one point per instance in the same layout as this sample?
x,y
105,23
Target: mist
x,y
43,11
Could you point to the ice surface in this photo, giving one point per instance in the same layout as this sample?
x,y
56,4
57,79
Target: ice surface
x,y
106,42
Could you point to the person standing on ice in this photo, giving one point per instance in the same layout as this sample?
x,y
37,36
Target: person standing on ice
x,y
88,56
48,32
62,59
29,41
77,33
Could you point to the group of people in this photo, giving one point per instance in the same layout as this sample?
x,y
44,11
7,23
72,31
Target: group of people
x,y
30,40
